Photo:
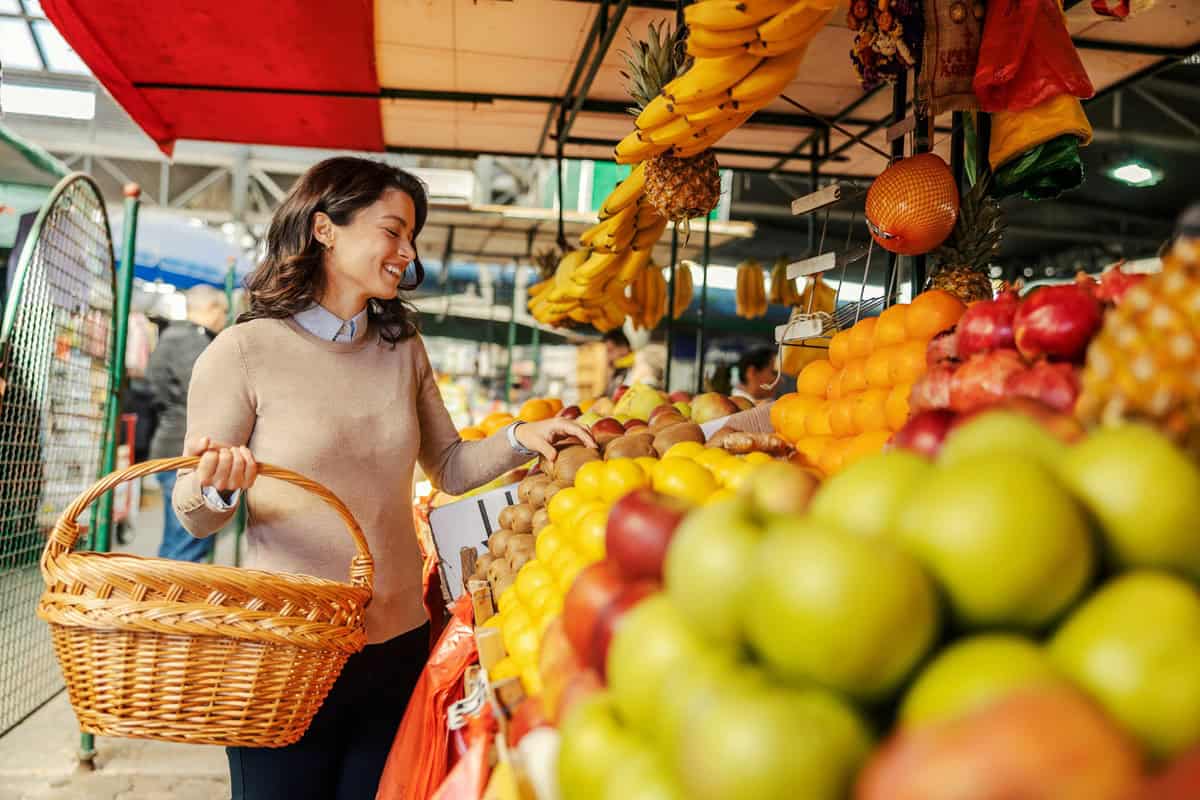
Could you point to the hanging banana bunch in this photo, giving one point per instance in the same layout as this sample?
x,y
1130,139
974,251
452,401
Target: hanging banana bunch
x,y
684,289
783,290
751,292
648,295
817,297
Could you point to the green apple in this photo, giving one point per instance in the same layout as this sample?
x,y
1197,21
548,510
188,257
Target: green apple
x,y
684,408
706,567
1145,494
592,742
1135,647
651,644
864,497
690,692
1007,544
772,744
973,673
849,613
1001,433
645,776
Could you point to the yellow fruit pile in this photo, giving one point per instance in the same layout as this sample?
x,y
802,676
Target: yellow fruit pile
x,y
745,53
850,405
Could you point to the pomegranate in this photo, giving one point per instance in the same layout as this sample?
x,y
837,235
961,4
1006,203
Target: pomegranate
x,y
988,325
924,432
1114,283
1057,322
1055,385
913,205
981,380
943,348
933,388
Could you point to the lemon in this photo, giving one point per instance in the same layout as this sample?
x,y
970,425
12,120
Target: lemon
x,y
564,504
758,457
505,668
647,463
589,534
622,476
589,479
711,457
684,450
549,540
684,479
532,577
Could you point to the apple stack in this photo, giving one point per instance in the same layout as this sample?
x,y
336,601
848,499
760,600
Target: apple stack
x,y
849,406
1020,618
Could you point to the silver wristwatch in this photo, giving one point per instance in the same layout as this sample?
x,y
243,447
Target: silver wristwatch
x,y
518,448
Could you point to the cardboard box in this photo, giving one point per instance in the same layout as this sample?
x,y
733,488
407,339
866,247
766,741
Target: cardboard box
x,y
466,523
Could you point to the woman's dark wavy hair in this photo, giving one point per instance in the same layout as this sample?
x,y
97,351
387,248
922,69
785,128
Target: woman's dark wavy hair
x,y
290,278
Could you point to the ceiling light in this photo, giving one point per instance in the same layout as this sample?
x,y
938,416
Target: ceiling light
x,y
1135,172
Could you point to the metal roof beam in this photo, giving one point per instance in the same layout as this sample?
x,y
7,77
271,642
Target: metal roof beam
x,y
611,26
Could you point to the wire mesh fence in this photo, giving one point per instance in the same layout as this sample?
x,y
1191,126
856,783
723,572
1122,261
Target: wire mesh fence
x,y
57,346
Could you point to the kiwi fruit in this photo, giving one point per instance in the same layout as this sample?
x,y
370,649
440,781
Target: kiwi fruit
x,y
518,560
631,445
497,569
498,542
526,487
570,460
541,518
553,488
681,432
483,562
519,542
506,518
666,420
522,518
501,585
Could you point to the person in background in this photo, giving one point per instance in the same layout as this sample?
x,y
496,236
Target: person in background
x,y
620,359
169,374
757,374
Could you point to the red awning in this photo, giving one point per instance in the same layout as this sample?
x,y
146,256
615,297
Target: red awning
x,y
211,65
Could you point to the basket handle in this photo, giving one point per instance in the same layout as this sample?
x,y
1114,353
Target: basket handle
x,y
66,529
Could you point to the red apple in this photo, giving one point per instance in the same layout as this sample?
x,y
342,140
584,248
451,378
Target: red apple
x,y
932,390
570,412
680,397
606,429
528,715
981,379
710,406
658,411
621,390
1114,283
557,664
594,588
610,619
1056,385
925,431
1038,744
988,325
1057,322
1180,780
634,424
640,527
943,348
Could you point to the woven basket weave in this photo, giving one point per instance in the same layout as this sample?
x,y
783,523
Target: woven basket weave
x,y
159,649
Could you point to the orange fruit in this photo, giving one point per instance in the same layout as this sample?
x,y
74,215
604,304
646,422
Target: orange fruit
x,y
830,460
896,407
864,444
839,348
890,329
854,377
814,379
862,337
584,405
494,422
556,404
932,312
835,385
817,423
879,367
870,411
472,434
908,362
913,205
811,447
841,417
534,410
788,414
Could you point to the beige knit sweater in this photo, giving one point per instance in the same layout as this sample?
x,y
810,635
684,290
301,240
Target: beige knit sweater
x,y
354,416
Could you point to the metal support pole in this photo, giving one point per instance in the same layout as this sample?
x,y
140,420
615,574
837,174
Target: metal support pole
x,y
102,519
535,345
920,145
671,307
512,338
899,107
700,343
958,140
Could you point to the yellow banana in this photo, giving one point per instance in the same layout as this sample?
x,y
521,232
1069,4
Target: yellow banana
x,y
610,226
632,149
700,51
776,293
772,77
579,314
674,132
657,113
684,289
634,264
717,40
599,264
710,136
801,18
647,215
711,114
780,47
537,288
646,238
617,242
726,15
624,193
709,78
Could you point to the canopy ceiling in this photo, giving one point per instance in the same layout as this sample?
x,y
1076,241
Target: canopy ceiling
x,y
470,77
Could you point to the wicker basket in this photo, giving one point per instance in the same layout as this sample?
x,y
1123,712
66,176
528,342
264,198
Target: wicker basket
x,y
160,649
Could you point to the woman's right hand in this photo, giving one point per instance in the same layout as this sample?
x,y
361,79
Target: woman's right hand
x,y
223,467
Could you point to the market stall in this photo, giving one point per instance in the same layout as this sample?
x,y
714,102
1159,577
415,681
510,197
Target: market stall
x,y
909,578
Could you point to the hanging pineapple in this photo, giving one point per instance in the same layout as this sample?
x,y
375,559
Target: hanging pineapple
x,y
684,289
680,189
964,258
751,292
1144,364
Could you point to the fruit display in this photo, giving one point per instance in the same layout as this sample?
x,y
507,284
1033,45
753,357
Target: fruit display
x,y
849,406
688,93
1143,363
984,625
751,293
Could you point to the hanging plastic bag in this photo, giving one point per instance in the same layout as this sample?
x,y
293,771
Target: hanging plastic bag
x,y
468,779
1027,57
418,761
1035,152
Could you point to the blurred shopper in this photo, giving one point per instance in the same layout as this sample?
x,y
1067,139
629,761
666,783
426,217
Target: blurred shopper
x,y
758,373
620,359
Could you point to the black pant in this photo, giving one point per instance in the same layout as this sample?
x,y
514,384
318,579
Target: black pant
x,y
342,754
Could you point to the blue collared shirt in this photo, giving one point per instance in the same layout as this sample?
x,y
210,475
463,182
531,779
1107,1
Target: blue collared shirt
x,y
324,324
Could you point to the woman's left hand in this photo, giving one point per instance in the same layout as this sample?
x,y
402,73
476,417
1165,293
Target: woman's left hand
x,y
542,436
